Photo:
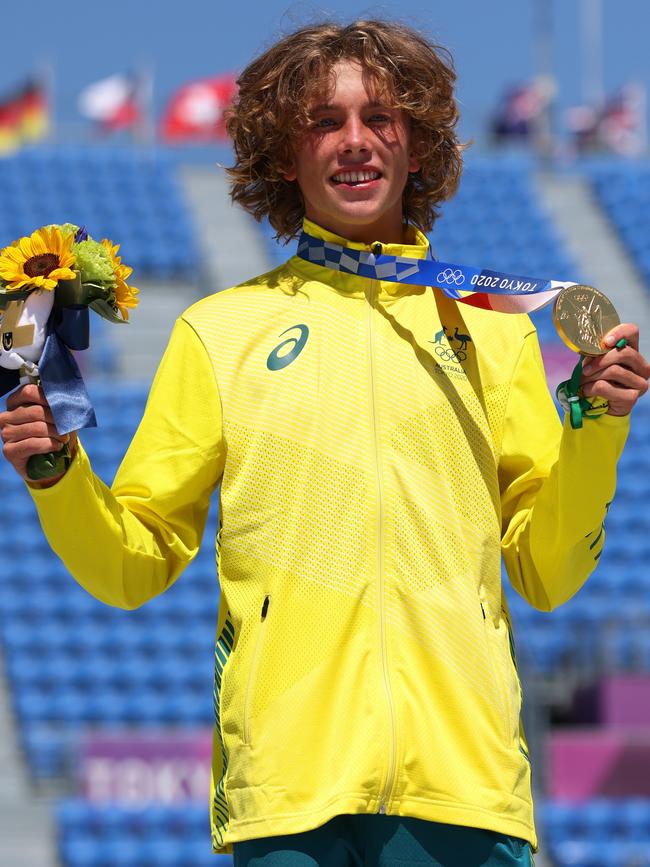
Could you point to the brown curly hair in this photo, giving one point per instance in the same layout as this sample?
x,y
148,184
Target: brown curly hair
x,y
271,113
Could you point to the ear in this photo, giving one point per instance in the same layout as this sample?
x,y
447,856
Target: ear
x,y
290,173
415,163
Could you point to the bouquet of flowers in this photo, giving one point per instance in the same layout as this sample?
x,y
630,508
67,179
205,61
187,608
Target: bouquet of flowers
x,y
48,282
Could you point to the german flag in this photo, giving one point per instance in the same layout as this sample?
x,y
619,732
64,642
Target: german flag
x,y
10,137
24,116
34,111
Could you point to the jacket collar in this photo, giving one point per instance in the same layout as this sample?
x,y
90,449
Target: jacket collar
x,y
416,246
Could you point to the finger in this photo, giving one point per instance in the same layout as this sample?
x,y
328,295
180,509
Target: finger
x,y
627,357
19,453
26,394
611,392
27,414
619,375
15,433
628,330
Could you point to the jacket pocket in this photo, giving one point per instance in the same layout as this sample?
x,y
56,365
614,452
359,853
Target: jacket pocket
x,y
252,674
503,671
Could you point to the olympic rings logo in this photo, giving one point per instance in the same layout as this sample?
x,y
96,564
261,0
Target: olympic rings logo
x,y
451,276
448,354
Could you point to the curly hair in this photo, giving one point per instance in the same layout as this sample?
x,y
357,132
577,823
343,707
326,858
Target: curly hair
x,y
271,113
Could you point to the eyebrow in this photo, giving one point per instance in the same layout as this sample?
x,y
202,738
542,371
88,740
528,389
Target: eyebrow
x,y
327,106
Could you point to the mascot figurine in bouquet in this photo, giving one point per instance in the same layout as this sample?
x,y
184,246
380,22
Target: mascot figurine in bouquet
x,y
48,281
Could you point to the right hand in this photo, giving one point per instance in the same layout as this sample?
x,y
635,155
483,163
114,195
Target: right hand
x,y
28,429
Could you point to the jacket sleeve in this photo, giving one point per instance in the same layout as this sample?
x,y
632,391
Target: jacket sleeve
x,y
556,486
127,544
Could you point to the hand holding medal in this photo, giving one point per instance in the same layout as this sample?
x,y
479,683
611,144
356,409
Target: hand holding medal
x,y
611,374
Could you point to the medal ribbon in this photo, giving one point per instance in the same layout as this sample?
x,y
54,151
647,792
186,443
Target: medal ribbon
x,y
492,290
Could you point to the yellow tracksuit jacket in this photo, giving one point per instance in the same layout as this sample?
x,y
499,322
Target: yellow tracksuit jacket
x,y
378,448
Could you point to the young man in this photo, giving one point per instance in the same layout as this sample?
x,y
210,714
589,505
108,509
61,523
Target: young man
x,y
366,699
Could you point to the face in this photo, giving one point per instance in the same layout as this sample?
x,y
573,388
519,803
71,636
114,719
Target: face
x,y
352,163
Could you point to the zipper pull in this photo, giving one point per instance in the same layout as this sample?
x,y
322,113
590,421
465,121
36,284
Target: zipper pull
x,y
265,607
482,610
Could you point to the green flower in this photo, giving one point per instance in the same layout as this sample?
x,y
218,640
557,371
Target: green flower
x,y
94,263
64,228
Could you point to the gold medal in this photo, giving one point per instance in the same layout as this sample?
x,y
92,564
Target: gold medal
x,y
583,316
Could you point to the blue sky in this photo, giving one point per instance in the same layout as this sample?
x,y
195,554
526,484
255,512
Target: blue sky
x,y
493,43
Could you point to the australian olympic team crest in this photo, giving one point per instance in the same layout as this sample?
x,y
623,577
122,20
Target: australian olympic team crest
x,y
443,342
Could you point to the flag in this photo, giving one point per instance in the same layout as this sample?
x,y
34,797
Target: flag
x,y
618,126
516,114
34,111
24,116
112,102
196,110
9,126
622,126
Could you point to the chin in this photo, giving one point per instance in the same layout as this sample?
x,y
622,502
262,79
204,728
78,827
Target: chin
x,y
360,216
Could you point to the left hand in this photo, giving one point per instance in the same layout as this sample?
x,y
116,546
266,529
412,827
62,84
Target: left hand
x,y
620,376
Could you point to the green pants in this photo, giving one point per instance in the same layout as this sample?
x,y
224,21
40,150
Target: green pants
x,y
366,840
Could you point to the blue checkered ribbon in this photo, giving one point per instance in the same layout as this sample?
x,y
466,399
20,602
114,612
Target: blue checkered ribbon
x,y
449,277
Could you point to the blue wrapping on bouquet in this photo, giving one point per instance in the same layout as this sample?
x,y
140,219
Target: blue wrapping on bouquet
x,y
67,329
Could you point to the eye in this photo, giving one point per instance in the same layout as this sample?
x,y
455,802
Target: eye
x,y
379,117
324,123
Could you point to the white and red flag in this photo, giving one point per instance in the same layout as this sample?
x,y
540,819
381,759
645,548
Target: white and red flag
x,y
196,110
112,102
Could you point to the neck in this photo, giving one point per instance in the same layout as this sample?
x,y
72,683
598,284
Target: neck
x,y
393,233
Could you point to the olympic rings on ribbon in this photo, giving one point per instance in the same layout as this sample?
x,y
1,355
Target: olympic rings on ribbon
x,y
451,276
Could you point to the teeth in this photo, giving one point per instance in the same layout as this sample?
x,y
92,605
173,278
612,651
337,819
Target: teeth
x,y
355,177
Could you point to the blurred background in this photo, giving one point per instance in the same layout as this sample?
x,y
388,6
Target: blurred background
x,y
110,117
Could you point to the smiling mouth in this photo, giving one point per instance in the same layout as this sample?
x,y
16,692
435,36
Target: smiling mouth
x,y
354,179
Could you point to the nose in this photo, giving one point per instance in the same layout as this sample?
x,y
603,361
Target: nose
x,y
354,137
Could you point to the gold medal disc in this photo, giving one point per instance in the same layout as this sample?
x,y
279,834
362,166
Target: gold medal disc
x,y
583,316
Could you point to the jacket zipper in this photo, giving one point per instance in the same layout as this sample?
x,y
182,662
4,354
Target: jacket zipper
x,y
380,559
253,669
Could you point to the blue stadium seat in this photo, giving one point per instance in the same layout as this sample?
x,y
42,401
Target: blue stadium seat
x,y
600,833
151,835
624,194
123,196
634,819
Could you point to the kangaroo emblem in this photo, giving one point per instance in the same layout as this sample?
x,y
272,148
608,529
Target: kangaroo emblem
x,y
439,335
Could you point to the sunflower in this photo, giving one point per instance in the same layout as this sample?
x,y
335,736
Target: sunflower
x,y
125,296
40,260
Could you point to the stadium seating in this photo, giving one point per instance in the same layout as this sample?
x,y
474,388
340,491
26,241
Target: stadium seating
x,y
153,836
623,191
600,833
129,196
